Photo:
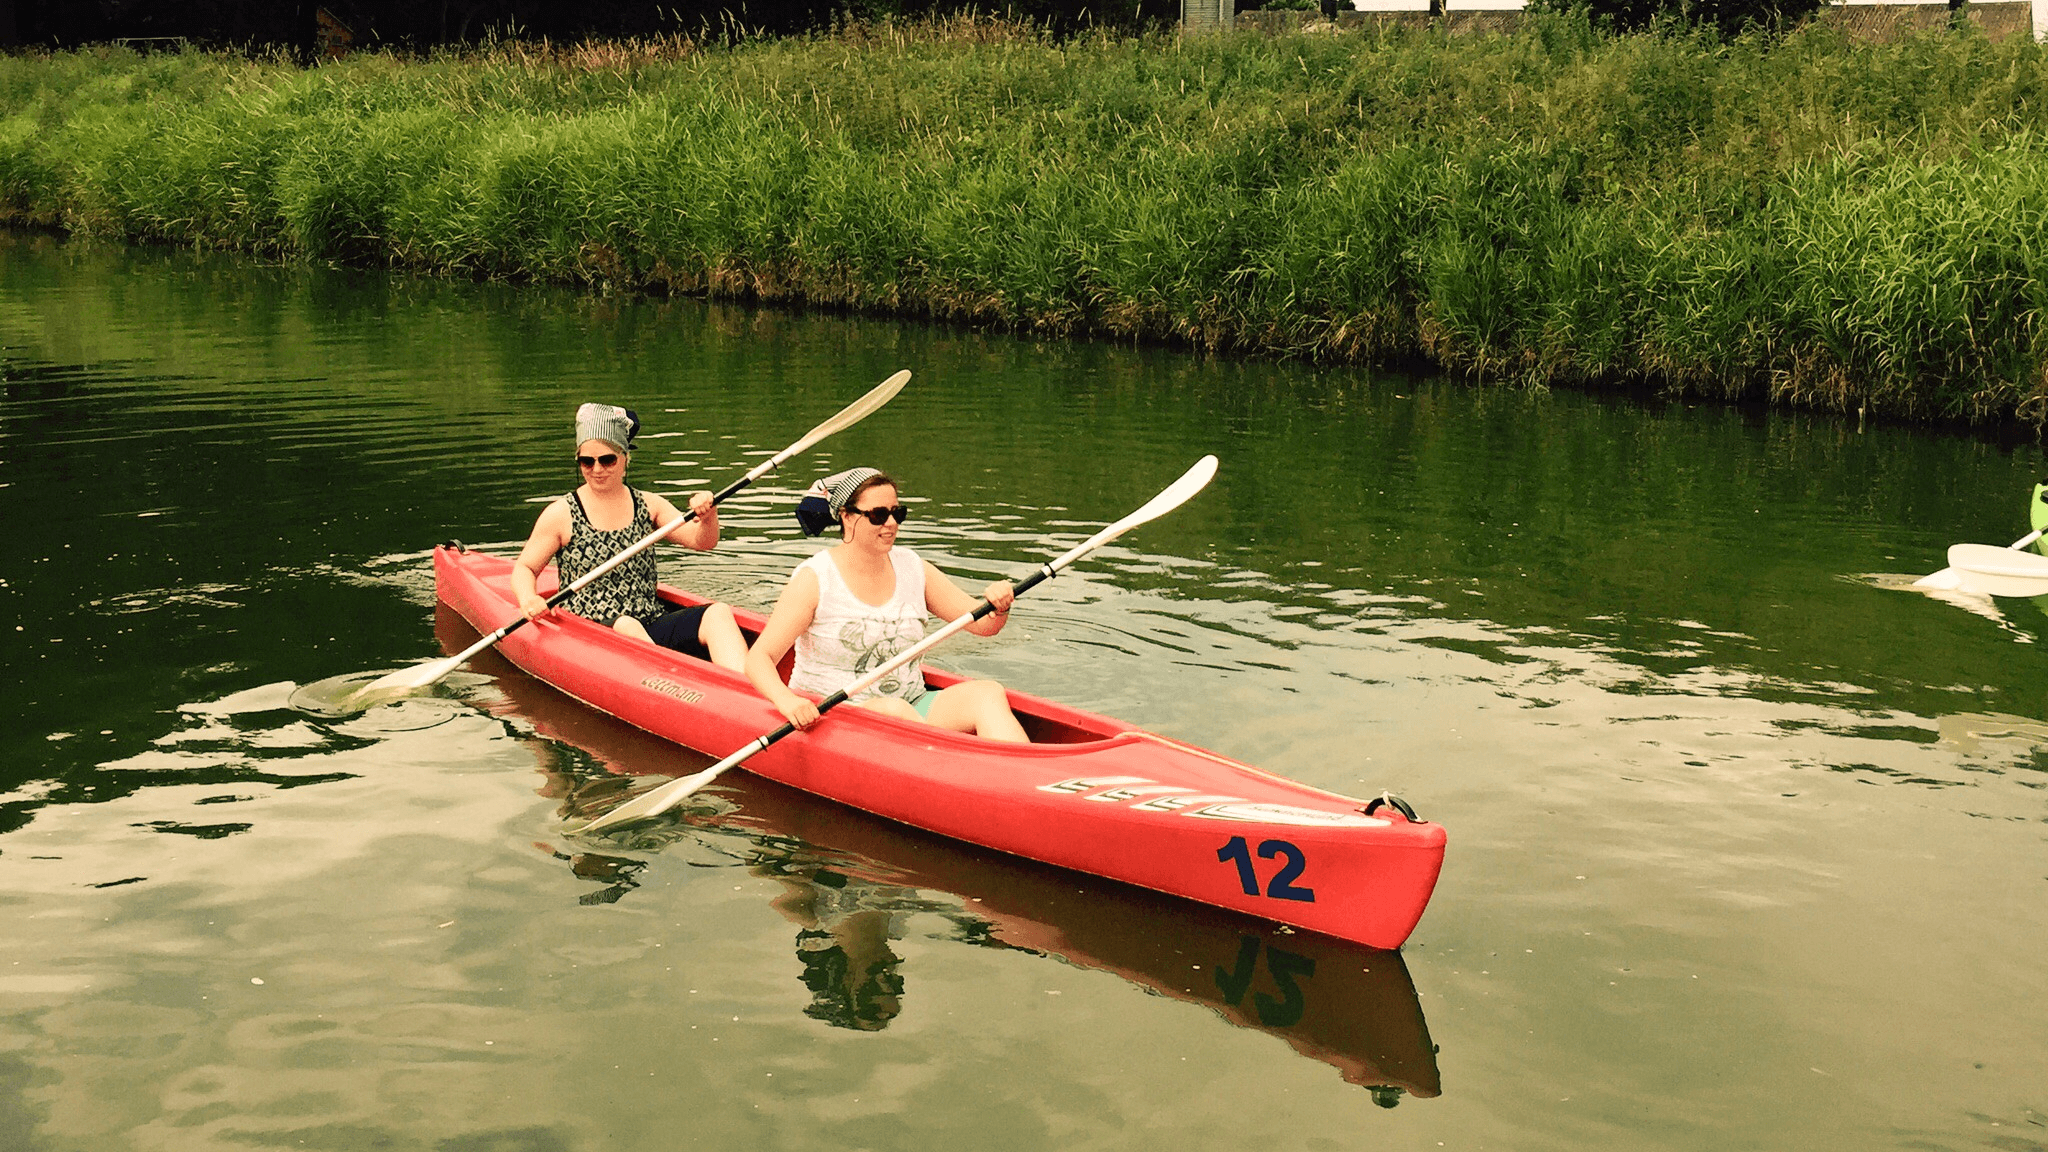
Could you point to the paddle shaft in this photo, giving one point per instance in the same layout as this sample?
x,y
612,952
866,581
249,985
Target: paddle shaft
x,y
667,796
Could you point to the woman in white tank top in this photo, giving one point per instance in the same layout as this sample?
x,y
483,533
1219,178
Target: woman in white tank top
x,y
854,606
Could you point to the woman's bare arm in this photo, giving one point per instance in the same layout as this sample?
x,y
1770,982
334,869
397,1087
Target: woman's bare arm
x,y
944,599
794,611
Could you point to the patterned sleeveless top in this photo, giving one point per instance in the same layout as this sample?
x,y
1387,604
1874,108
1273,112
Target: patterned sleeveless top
x,y
627,590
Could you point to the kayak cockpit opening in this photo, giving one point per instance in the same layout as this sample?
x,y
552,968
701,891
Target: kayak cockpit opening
x,y
1040,718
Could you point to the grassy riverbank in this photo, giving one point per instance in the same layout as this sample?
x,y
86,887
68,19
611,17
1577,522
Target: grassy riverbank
x,y
1824,223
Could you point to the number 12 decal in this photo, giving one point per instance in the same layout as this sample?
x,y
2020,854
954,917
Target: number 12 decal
x,y
1281,886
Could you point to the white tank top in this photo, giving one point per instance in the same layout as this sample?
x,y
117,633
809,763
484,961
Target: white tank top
x,y
849,638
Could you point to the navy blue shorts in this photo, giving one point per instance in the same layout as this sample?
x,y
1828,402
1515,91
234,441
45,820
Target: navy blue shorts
x,y
678,630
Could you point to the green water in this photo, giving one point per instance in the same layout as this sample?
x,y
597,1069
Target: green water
x,y
1747,843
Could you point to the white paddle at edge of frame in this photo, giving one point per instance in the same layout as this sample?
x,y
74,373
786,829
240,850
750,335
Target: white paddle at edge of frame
x,y
1950,580
1999,571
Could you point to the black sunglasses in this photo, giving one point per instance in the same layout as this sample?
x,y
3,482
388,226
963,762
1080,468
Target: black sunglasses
x,y
604,461
880,516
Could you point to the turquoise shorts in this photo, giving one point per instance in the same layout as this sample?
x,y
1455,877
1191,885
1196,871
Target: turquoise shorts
x,y
924,703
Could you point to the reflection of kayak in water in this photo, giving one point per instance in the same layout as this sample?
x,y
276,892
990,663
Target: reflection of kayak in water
x,y
1346,1005
1091,793
852,880
1971,732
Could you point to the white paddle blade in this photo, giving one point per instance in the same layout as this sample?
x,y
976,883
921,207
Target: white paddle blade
x,y
417,676
1950,580
852,414
1946,580
1999,571
648,805
1177,493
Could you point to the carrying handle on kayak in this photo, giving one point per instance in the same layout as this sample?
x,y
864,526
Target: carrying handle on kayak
x,y
1388,799
659,800
419,676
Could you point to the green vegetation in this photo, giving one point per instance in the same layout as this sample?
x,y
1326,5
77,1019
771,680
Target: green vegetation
x,y
1819,222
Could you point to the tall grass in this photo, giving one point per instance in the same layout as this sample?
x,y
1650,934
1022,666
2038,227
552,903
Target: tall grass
x,y
1819,222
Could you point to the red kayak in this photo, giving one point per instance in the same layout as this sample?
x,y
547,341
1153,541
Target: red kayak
x,y
1092,794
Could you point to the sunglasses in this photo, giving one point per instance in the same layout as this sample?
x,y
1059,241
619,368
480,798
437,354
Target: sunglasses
x,y
604,461
881,516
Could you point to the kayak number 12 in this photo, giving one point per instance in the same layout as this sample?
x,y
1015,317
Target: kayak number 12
x,y
1281,886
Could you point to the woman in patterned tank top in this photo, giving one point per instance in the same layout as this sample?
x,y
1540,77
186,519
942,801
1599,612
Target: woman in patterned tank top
x,y
854,606
601,518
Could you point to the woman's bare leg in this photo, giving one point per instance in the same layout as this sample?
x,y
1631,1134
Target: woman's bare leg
x,y
980,707
627,626
720,633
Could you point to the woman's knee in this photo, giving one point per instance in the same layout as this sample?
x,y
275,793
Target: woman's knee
x,y
967,704
628,626
987,693
717,620
985,707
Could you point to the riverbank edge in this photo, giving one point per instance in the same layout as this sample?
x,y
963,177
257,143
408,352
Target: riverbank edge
x,y
1483,260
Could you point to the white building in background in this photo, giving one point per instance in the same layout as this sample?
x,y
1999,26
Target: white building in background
x,y
1196,15
1448,5
2040,10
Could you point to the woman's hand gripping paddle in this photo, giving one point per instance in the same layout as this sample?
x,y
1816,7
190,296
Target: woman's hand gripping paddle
x,y
654,803
419,676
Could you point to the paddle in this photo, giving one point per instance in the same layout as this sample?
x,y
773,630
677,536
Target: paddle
x,y
1999,571
654,803
419,676
1950,580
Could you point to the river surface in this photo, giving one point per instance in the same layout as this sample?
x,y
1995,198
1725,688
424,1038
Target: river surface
x,y
1746,841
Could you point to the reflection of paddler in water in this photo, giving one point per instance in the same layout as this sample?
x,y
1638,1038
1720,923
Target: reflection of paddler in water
x,y
852,883
844,927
